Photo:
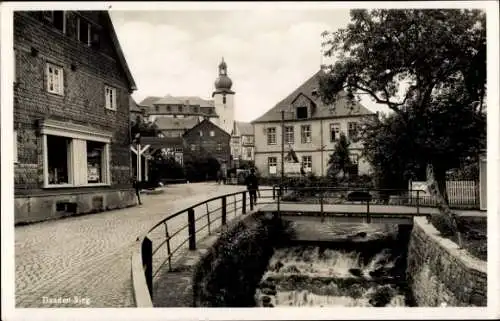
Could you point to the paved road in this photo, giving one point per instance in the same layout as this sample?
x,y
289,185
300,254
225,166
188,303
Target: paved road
x,y
85,260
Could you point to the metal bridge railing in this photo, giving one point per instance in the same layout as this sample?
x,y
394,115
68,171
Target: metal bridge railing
x,y
162,243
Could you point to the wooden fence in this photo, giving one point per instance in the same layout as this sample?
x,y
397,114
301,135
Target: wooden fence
x,y
461,194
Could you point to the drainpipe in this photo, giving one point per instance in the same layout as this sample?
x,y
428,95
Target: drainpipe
x,y
321,146
282,146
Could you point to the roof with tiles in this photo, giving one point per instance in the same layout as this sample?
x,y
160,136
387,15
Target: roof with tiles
x,y
148,101
244,128
176,100
341,108
133,105
170,123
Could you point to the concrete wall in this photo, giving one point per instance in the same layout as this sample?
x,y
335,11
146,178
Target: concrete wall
x,y
320,135
30,209
440,273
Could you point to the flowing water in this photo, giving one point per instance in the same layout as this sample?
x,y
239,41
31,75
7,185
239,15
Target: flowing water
x,y
369,273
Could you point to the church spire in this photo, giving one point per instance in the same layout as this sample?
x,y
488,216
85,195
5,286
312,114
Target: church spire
x,y
223,81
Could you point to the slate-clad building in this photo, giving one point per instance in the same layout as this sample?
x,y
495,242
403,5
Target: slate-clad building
x,y
72,91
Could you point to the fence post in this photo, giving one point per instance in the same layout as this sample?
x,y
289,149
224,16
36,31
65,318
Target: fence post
x,y
191,229
208,219
321,202
279,199
411,193
244,202
418,202
169,252
274,192
368,217
223,217
147,262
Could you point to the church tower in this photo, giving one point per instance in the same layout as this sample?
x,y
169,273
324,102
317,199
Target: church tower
x,y
224,99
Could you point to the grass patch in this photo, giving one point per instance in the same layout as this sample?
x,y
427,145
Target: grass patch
x,y
474,233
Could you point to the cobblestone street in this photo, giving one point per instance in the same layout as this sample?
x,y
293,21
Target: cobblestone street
x,y
86,259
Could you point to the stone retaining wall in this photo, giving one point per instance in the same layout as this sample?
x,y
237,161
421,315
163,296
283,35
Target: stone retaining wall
x,y
196,278
31,209
439,273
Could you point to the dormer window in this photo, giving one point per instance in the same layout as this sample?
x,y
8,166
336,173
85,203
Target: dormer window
x,y
314,93
83,31
180,108
301,112
57,18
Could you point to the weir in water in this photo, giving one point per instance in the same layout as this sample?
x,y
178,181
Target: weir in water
x,y
363,265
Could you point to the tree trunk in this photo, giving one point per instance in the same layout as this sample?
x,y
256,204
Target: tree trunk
x,y
435,189
440,176
442,203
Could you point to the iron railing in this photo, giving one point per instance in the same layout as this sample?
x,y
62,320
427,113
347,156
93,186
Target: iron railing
x,y
162,243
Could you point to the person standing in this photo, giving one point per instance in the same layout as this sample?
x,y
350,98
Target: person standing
x,y
252,183
137,188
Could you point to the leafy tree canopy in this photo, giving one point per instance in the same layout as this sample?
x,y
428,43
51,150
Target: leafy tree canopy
x,y
428,67
144,127
397,56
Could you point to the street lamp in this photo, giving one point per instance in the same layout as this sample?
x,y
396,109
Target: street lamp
x,y
283,145
322,149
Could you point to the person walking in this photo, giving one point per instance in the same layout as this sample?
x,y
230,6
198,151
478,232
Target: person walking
x,y
252,183
137,188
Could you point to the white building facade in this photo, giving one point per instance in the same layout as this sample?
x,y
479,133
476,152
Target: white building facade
x,y
311,129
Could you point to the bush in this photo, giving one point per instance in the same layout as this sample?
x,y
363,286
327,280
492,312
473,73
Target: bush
x,y
443,224
229,273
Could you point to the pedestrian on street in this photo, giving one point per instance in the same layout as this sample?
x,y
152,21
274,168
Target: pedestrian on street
x,y
252,183
224,176
219,176
137,188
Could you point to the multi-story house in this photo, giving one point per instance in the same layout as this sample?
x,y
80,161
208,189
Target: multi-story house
x,y
242,142
72,91
175,127
190,107
208,139
219,109
310,128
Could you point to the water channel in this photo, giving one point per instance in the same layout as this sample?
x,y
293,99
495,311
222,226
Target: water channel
x,y
362,266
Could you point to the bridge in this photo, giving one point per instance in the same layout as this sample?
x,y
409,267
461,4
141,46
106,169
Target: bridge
x,y
354,213
156,249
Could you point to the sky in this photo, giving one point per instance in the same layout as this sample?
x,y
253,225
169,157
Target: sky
x,y
269,52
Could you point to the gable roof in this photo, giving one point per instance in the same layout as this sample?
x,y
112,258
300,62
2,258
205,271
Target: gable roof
x,y
148,101
161,142
119,51
341,107
133,105
244,128
204,121
183,100
170,123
